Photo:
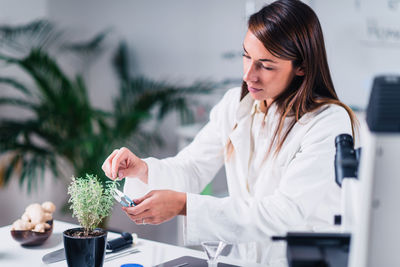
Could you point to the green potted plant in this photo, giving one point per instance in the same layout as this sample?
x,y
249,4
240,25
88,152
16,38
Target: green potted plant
x,y
91,202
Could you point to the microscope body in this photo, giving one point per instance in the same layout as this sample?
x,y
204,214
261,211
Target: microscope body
x,y
374,206
346,176
370,182
376,219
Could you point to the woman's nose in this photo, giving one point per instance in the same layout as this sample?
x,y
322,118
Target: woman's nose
x,y
250,74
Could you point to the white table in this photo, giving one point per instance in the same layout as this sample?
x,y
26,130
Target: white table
x,y
151,252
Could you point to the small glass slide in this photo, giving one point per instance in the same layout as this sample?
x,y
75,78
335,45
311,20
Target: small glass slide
x,y
213,249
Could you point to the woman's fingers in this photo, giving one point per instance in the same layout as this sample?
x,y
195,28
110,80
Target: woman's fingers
x,y
148,220
106,167
137,210
122,163
145,215
141,214
157,206
141,199
121,155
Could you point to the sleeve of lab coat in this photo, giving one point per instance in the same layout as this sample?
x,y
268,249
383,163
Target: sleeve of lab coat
x,y
307,178
196,165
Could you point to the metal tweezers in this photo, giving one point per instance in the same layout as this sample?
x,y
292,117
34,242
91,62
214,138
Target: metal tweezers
x,y
122,198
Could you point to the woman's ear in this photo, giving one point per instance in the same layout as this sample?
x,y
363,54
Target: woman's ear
x,y
299,71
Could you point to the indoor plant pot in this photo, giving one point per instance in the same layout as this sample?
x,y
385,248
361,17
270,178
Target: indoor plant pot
x,y
85,250
91,201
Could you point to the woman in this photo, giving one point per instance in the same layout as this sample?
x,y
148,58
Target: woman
x,y
275,136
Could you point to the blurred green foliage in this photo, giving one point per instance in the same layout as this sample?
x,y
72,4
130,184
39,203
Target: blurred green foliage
x,y
62,124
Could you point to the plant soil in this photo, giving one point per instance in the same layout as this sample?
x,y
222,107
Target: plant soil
x,y
81,233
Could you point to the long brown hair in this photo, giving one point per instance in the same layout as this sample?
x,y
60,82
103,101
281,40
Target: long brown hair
x,y
290,30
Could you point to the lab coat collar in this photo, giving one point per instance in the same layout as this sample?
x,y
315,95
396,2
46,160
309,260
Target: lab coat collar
x,y
256,107
240,137
245,107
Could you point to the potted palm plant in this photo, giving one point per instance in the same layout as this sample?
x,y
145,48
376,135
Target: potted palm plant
x,y
63,125
91,202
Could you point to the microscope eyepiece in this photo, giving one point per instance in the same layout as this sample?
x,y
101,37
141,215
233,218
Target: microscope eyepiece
x,y
346,160
343,139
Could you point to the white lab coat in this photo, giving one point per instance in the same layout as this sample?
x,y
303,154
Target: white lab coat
x,y
295,191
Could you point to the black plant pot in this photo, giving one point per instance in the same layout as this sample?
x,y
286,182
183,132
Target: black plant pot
x,y
84,251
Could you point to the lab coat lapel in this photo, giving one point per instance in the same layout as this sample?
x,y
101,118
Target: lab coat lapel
x,y
240,137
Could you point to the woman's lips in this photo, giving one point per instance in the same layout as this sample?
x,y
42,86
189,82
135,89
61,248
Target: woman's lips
x,y
253,90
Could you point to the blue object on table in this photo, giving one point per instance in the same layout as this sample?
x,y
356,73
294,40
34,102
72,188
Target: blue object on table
x,y
187,261
123,199
131,265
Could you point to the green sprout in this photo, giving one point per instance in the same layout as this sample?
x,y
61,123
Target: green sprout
x,y
91,201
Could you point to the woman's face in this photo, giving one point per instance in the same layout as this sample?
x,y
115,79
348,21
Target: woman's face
x,y
266,75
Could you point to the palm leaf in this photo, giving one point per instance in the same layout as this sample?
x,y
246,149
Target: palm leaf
x,y
21,39
121,62
17,102
12,167
92,46
65,125
10,130
16,85
46,73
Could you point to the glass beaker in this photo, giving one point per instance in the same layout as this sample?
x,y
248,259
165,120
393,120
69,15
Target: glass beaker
x,y
213,249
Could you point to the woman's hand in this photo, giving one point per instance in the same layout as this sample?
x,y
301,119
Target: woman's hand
x,y
122,162
157,206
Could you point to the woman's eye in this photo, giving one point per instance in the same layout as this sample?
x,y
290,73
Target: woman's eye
x,y
267,68
246,56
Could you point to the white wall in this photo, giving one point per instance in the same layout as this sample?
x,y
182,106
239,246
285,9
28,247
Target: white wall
x,y
177,40
21,11
363,40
